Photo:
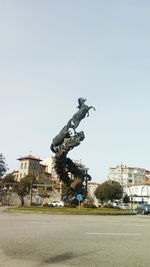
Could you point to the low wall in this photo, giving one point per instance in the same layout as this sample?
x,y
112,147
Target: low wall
x,y
13,199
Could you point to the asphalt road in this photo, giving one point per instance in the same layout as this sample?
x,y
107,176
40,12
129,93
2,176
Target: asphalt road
x,y
33,240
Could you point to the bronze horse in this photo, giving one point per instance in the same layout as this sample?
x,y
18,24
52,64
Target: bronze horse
x,y
80,114
72,123
59,138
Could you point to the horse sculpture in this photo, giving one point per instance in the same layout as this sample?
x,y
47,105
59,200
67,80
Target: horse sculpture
x,y
80,114
72,123
65,141
59,138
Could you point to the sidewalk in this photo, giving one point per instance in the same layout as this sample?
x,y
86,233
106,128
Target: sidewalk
x,y
2,208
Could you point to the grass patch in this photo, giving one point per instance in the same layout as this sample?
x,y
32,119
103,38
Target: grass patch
x,y
70,211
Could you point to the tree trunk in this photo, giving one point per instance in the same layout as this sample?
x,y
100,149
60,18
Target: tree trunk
x,y
22,201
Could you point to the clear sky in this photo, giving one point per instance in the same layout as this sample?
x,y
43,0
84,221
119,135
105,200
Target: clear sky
x,y
54,51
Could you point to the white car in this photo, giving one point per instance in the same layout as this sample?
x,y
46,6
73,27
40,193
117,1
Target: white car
x,y
56,203
123,206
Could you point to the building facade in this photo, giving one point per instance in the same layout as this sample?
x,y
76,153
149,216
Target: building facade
x,y
44,172
139,193
31,165
128,176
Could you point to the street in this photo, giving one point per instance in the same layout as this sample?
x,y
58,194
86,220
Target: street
x,y
36,240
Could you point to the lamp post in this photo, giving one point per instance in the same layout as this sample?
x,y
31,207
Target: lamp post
x,y
121,176
142,193
131,202
31,186
148,195
131,198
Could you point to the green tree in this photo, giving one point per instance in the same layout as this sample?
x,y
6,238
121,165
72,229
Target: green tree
x,y
8,179
126,199
108,190
23,187
3,166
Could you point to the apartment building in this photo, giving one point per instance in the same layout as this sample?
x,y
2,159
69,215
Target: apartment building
x,y
128,176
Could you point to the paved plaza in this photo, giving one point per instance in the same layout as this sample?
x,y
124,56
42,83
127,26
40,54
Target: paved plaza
x,y
34,240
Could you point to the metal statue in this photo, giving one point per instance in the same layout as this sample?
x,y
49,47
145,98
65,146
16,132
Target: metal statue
x,y
80,114
62,144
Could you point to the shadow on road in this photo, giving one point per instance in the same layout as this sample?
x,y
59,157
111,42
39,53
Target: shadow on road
x,y
60,258
42,258
65,256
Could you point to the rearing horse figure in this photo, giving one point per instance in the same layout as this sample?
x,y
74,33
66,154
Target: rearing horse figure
x,y
80,114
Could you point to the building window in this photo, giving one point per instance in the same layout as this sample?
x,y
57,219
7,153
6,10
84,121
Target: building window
x,y
22,165
30,165
34,165
25,165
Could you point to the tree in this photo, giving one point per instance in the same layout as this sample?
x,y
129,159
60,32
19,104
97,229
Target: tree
x,y
8,179
108,190
126,199
23,187
43,195
3,166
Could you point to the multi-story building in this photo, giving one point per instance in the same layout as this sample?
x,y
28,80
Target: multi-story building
x,y
41,170
128,176
49,163
139,193
55,181
30,165
44,172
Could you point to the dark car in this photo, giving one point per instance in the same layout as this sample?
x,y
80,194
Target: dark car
x,y
143,209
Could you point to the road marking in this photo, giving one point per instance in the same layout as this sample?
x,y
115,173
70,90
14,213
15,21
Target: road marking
x,y
39,222
136,225
125,234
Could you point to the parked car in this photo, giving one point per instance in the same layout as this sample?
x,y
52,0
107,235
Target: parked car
x,y
123,206
56,203
111,206
143,209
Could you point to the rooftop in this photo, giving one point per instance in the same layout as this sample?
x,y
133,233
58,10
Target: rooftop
x,y
30,157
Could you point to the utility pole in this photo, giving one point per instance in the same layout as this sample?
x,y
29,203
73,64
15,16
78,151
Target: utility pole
x,y
121,174
31,193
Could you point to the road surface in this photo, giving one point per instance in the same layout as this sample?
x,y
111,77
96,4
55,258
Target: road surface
x,y
34,240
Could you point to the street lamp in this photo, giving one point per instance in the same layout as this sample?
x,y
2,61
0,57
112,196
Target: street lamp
x,y
131,198
142,193
31,187
121,176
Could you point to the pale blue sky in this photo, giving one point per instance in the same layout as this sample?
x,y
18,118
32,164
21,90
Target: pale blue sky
x,y
52,53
